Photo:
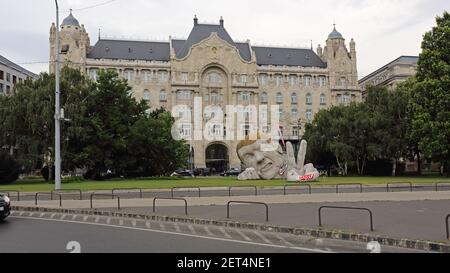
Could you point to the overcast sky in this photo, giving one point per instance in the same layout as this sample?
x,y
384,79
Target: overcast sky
x,y
383,29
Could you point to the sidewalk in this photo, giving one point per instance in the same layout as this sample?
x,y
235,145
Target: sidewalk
x,y
220,201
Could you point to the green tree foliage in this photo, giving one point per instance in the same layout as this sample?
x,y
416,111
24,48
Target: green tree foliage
x,y
430,97
104,127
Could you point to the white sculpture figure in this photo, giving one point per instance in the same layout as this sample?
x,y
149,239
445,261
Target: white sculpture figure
x,y
271,164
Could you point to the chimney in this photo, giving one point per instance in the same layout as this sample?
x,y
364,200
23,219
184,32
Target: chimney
x,y
195,20
221,21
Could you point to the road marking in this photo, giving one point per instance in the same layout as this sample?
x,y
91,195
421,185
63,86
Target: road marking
x,y
108,221
161,225
133,223
42,215
283,240
21,213
31,214
85,218
225,233
63,216
147,224
243,235
262,237
74,217
179,234
208,231
52,216
177,228
97,219
121,222
191,228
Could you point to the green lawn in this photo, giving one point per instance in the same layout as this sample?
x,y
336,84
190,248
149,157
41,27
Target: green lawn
x,y
34,185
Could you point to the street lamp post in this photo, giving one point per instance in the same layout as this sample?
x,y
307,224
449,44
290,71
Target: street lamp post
x,y
57,108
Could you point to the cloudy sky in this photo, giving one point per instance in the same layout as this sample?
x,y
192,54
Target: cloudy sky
x,y
383,29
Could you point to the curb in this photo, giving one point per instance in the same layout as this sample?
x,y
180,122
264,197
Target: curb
x,y
309,232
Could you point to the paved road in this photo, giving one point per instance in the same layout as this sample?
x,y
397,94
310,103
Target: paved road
x,y
406,219
50,232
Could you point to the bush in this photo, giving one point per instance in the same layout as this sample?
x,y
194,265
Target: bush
x,y
379,168
9,169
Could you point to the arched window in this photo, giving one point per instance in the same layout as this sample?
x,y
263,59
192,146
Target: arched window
x,y
214,78
128,75
323,99
162,96
343,81
308,99
279,98
294,98
264,98
146,95
145,75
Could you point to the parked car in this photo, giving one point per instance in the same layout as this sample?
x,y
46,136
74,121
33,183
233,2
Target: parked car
x,y
5,207
231,172
181,173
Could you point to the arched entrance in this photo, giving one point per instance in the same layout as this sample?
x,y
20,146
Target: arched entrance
x,y
217,157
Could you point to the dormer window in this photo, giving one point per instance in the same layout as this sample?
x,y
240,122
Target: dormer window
x,y
107,49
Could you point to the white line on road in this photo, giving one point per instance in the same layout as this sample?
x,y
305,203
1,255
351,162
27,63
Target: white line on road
x,y
177,228
225,233
161,225
42,215
52,216
283,240
121,222
21,213
191,228
208,231
262,237
74,217
97,219
63,216
31,214
243,235
147,224
133,223
85,218
173,233
108,221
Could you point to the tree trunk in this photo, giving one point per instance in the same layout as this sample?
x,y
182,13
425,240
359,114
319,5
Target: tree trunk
x,y
394,167
419,164
363,166
357,166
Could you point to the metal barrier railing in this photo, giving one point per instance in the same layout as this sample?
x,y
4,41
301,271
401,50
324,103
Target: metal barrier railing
x,y
346,208
10,191
141,194
163,198
296,186
47,193
350,184
245,202
105,195
399,183
441,183
185,188
253,187
447,226
66,192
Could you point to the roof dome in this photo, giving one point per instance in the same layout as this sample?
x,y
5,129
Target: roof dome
x,y
335,34
70,21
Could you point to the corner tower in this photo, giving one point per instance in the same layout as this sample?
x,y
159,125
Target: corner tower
x,y
74,44
341,62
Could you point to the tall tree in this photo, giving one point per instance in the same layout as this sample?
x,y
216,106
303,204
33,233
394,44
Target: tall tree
x,y
430,99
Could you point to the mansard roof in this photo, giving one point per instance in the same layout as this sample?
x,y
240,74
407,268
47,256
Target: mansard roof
x,y
288,56
130,50
160,51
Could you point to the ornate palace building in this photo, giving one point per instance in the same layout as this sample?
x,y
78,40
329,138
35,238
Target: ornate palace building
x,y
209,64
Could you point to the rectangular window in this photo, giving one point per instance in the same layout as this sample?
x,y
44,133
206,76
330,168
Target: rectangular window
x,y
162,76
128,75
244,78
292,80
186,130
263,79
184,76
295,131
245,97
145,76
14,79
279,80
8,77
322,81
93,74
307,80
1,87
2,75
184,95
